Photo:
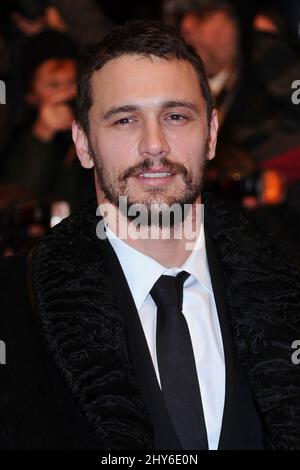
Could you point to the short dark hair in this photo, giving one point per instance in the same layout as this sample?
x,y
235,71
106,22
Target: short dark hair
x,y
146,38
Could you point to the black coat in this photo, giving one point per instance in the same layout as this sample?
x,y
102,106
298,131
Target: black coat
x,y
87,395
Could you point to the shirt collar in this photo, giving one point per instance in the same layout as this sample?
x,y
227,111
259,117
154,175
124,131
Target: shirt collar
x,y
142,271
197,264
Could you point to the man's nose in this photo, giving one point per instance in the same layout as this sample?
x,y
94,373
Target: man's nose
x,y
153,141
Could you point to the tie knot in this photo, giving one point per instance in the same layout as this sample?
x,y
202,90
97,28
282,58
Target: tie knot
x,y
168,290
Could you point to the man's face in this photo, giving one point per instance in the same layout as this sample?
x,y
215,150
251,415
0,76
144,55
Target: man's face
x,y
149,137
214,37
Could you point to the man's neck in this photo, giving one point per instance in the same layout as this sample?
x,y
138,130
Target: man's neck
x,y
169,247
169,253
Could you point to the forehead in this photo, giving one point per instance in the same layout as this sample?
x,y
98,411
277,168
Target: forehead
x,y
138,79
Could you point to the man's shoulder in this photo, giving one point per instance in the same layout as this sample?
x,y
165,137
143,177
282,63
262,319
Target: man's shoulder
x,y
236,230
251,257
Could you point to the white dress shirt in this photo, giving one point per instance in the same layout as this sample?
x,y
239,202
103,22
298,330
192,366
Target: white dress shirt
x,y
200,311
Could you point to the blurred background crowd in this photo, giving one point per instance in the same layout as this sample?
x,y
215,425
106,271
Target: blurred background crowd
x,y
251,52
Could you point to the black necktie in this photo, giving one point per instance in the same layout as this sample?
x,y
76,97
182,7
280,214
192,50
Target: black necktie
x,y
176,363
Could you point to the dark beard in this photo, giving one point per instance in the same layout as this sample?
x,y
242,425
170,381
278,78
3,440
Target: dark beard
x,y
192,192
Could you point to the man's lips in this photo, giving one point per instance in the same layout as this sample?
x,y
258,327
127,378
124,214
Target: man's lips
x,y
155,177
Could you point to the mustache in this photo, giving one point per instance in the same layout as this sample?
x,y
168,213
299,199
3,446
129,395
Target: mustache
x,y
148,164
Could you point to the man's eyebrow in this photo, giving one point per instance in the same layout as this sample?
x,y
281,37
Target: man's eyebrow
x,y
119,109
165,105
180,104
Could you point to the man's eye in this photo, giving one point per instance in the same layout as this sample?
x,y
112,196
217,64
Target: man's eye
x,y
176,117
124,121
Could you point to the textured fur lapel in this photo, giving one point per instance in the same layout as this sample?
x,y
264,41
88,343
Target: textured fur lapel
x,y
263,299
85,332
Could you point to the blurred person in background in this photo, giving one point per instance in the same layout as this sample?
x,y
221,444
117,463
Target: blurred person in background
x,y
21,20
84,20
275,66
41,159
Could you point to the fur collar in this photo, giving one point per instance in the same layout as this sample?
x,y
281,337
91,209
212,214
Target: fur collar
x,y
85,332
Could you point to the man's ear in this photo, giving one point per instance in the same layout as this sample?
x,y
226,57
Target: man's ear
x,y
213,133
82,147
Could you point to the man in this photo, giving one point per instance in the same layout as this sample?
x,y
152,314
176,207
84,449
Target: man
x,y
137,341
